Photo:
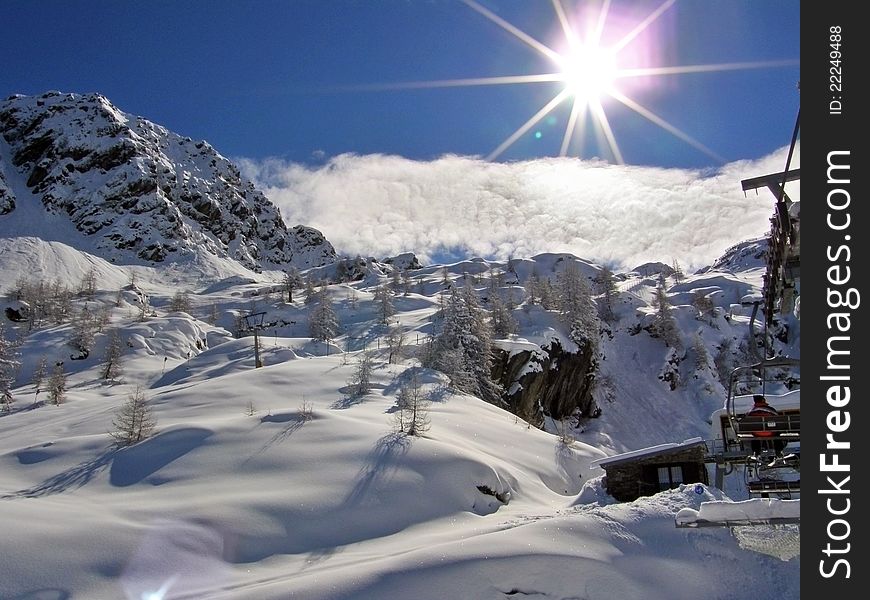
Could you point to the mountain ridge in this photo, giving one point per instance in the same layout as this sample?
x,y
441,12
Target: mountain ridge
x,y
139,190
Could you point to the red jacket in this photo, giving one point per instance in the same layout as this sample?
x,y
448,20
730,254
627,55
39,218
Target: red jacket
x,y
762,410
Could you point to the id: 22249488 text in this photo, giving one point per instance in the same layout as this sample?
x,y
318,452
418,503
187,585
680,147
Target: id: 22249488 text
x,y
835,78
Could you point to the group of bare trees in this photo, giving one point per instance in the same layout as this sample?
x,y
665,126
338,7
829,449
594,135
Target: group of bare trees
x,y
383,298
8,368
323,322
664,324
576,308
571,296
133,422
412,407
180,302
54,382
360,381
52,303
605,284
43,302
501,309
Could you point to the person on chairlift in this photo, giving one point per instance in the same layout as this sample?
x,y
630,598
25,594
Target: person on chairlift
x,y
761,408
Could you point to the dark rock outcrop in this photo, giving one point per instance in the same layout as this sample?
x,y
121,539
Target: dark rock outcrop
x,y
652,269
7,198
551,380
137,187
749,254
404,262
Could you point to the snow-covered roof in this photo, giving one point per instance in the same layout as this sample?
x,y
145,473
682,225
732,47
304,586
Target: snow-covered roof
x,y
754,510
646,452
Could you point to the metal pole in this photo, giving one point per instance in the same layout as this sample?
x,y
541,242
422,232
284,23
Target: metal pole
x,y
257,362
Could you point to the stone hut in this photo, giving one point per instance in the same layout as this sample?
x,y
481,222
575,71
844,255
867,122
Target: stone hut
x,y
650,470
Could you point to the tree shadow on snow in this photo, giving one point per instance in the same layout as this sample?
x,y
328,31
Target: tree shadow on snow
x,y
20,409
72,478
320,545
365,340
567,461
294,421
134,463
381,462
347,400
435,382
441,394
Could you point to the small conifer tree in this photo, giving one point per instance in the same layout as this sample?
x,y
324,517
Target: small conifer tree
x,y
134,421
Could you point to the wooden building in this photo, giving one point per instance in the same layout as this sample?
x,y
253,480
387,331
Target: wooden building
x,y
650,470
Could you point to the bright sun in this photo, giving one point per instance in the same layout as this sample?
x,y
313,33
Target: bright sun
x,y
589,73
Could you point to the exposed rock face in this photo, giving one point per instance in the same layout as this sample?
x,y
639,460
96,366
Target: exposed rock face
x,y
7,198
652,269
308,247
404,262
138,187
749,254
559,380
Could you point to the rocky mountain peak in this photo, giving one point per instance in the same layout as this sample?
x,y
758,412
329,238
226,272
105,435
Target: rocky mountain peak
x,y
136,187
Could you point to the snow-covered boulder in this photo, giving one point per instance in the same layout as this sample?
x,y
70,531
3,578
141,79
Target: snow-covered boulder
x,y
747,255
404,262
653,269
16,310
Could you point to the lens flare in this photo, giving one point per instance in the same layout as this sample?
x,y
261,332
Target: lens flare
x,y
590,73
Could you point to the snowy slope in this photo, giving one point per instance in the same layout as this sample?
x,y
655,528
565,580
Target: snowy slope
x,y
130,188
273,483
639,408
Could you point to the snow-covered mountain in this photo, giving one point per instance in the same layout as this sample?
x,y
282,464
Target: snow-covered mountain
x,y
279,482
286,480
134,189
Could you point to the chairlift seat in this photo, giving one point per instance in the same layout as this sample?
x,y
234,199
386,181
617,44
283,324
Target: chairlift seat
x,y
773,486
768,426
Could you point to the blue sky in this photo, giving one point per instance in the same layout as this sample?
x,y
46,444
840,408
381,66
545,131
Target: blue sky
x,y
288,78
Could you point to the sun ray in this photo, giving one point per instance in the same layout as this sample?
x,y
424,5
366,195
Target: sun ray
x,y
528,124
600,139
598,111
518,33
648,114
642,25
570,34
599,26
572,123
711,68
446,83
580,129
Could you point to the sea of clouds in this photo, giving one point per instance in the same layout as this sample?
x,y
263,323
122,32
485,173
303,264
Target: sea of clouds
x,y
620,215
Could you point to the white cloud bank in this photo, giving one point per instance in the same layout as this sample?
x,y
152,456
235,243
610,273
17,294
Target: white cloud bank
x,y
378,205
